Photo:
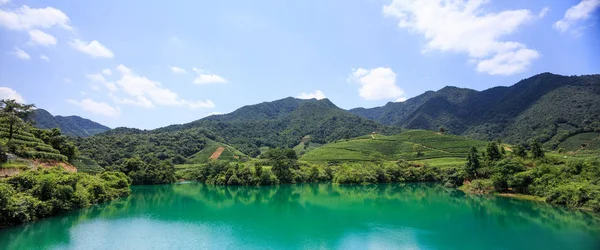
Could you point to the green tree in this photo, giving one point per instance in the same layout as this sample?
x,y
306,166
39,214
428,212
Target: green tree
x,y
282,160
536,150
418,149
520,151
472,164
442,130
14,114
492,153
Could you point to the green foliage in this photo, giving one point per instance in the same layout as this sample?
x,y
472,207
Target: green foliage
x,y
14,115
536,150
114,147
492,153
472,165
148,171
33,195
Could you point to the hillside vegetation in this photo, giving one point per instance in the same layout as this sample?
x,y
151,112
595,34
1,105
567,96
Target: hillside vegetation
x,y
546,107
69,125
283,123
412,145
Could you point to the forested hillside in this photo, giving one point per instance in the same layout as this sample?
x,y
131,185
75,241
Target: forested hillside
x,y
547,107
283,123
69,125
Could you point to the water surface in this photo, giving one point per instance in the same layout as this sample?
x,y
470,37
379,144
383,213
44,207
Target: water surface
x,y
311,216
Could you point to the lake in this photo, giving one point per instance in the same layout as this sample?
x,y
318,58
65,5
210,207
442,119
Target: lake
x,y
310,216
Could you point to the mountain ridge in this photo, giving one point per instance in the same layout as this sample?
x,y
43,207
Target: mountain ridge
x,y
71,125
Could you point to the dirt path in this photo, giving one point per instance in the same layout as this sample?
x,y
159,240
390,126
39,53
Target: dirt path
x,y
217,153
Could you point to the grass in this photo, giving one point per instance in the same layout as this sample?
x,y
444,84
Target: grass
x,y
15,164
32,146
437,149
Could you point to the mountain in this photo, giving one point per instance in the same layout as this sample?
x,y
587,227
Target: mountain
x,y
283,123
546,107
69,125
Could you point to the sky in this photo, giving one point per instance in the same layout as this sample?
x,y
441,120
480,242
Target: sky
x,y
148,64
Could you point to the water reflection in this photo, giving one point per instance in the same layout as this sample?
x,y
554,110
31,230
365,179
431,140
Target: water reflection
x,y
311,216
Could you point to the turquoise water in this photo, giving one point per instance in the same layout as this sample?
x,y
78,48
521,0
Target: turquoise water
x,y
311,216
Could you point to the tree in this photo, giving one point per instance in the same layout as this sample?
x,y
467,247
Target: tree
x,y
14,114
472,164
282,160
418,149
536,150
442,130
520,151
492,153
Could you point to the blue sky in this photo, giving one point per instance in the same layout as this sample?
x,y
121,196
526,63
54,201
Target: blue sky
x,y
148,64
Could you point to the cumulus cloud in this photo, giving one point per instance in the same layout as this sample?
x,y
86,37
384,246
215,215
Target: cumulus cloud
x,y
177,70
146,92
204,77
93,48
99,78
26,18
8,93
4,2
45,58
99,108
19,53
578,13
464,27
377,84
107,72
316,95
139,101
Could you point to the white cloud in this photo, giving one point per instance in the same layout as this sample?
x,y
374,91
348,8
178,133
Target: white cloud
x,y
377,84
100,108
462,26
200,104
401,99
152,92
577,13
39,37
508,63
8,93
177,70
317,95
107,72
4,2
99,78
543,12
19,53
123,70
93,48
45,58
140,101
209,78
26,18
67,80
204,77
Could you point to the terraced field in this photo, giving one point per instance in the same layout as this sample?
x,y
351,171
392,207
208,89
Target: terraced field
x,y
229,153
437,149
586,141
32,147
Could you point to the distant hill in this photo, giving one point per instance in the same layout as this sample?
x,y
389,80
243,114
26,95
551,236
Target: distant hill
x,y
547,107
69,125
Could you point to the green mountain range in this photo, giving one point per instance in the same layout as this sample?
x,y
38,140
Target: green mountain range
x,y
546,107
69,125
